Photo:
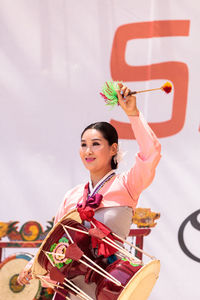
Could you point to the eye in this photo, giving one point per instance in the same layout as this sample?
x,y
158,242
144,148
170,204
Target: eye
x,y
96,144
83,145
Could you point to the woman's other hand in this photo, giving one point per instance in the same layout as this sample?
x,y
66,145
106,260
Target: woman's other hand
x,y
127,103
25,276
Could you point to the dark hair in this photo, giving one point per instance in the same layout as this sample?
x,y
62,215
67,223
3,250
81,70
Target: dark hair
x,y
109,133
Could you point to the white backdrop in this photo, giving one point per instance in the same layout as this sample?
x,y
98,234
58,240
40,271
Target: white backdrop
x,y
55,56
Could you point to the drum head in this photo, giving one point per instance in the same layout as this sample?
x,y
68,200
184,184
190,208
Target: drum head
x,y
142,283
9,271
37,268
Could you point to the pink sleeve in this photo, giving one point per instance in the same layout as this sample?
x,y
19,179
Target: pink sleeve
x,y
63,208
142,173
61,212
70,201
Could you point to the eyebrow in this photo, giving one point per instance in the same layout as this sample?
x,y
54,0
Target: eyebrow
x,y
92,140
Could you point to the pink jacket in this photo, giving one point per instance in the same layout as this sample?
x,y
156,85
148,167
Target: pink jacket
x,y
124,189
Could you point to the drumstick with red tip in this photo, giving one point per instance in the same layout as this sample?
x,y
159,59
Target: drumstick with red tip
x,y
167,87
110,95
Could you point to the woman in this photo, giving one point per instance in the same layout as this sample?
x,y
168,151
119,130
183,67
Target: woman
x,y
118,193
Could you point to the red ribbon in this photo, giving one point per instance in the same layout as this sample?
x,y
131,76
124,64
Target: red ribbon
x,y
103,248
87,214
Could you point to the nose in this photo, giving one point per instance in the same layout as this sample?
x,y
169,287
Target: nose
x,y
89,149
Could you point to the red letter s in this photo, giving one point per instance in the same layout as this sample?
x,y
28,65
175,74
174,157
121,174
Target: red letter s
x,y
176,72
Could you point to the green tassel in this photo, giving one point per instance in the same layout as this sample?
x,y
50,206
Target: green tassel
x,y
109,92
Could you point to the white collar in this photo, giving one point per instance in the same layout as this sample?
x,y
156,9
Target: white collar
x,y
91,189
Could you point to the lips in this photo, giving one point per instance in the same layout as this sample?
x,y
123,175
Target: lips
x,y
90,159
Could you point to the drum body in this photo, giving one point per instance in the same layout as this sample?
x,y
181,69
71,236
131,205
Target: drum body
x,y
9,287
121,270
137,281
58,242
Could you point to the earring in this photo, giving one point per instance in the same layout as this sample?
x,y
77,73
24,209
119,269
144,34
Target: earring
x,y
115,159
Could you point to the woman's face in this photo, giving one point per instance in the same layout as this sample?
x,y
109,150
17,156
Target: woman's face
x,y
95,151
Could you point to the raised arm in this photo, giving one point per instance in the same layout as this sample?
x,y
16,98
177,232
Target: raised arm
x,y
142,173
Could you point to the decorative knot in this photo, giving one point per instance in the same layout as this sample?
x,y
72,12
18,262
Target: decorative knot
x,y
86,214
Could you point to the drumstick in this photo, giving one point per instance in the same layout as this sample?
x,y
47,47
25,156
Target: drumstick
x,y
130,244
109,91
